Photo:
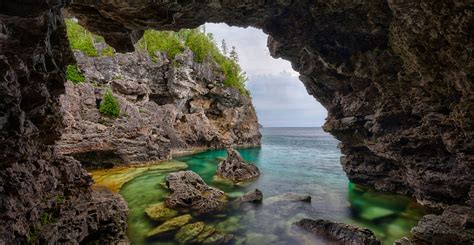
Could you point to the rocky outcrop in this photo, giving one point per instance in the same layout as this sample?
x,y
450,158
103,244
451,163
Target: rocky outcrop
x,y
166,105
190,193
342,233
254,196
234,168
456,223
395,76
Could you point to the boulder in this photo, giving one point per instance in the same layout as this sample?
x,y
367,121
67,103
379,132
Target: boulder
x,y
343,233
170,226
159,212
254,196
190,193
235,169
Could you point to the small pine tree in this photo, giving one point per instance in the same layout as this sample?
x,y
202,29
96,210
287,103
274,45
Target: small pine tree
x,y
74,75
109,105
233,55
224,47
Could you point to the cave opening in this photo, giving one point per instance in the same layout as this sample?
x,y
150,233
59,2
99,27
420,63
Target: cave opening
x,y
165,79
366,62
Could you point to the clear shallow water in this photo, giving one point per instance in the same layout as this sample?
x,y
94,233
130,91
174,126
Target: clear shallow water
x,y
301,160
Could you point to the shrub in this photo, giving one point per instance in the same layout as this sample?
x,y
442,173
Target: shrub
x,y
80,39
74,75
110,105
163,41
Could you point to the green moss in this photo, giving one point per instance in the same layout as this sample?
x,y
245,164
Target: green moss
x,y
46,218
74,75
110,105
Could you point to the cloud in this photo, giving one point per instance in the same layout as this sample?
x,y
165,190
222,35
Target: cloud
x,y
280,98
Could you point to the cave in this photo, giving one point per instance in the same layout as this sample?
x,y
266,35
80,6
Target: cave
x,y
395,77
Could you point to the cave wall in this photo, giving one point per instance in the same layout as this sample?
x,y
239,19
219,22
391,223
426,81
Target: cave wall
x,y
43,197
395,76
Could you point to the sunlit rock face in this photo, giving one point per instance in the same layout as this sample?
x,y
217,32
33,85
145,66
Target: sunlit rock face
x,y
395,76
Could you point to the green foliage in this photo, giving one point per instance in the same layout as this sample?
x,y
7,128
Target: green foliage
x,y
163,41
110,105
46,218
82,40
74,75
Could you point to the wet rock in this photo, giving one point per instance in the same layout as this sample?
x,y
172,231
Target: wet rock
x,y
170,226
235,169
343,233
159,212
454,226
287,197
254,196
189,232
190,193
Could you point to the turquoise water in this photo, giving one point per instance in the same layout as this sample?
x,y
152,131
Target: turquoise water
x,y
301,160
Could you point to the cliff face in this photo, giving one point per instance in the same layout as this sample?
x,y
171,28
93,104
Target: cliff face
x,y
166,106
395,76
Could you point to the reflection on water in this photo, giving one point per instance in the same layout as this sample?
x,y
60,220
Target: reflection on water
x,y
304,161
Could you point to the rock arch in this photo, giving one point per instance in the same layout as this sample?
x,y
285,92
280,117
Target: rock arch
x,y
395,76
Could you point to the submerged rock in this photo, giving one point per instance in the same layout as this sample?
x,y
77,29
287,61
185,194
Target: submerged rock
x,y
200,233
235,169
287,197
189,232
159,212
189,192
254,196
170,226
344,233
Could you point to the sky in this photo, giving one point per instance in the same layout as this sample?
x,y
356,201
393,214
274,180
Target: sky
x,y
278,95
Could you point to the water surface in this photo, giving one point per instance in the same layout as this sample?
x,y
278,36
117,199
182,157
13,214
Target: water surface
x,y
301,160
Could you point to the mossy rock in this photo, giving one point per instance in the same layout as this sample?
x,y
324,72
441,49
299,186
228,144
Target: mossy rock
x,y
205,233
189,232
159,212
229,225
170,226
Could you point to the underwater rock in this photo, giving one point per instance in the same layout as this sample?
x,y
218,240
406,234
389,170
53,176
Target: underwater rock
x,y
200,233
254,196
159,212
170,225
344,233
188,232
287,197
189,192
261,239
234,168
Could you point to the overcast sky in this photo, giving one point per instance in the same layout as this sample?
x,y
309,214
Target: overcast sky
x,y
280,98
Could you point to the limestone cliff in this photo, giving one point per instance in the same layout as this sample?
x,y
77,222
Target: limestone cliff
x,y
166,105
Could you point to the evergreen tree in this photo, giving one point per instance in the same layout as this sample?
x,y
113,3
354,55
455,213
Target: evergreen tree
x,y
233,55
224,47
